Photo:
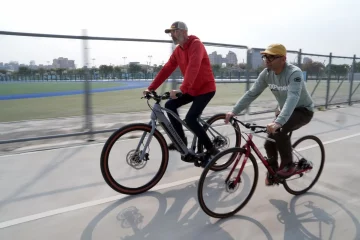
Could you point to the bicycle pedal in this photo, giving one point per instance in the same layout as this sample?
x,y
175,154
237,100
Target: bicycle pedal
x,y
197,163
188,158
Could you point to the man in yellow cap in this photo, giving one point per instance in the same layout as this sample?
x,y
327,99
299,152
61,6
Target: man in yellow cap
x,y
296,106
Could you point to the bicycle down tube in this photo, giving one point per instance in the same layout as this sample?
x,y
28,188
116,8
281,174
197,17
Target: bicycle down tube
x,y
158,114
248,146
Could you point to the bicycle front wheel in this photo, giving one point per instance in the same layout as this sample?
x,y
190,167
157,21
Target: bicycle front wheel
x,y
309,157
223,193
122,165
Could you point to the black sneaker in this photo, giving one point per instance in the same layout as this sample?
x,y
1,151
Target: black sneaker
x,y
208,156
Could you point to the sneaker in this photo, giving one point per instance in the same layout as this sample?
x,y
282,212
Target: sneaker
x,y
208,156
287,171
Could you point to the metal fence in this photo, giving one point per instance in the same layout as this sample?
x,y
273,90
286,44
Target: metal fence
x,y
329,84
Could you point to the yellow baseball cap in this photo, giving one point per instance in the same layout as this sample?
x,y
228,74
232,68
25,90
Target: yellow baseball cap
x,y
275,49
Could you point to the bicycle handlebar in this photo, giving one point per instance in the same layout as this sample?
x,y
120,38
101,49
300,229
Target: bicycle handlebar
x,y
253,127
158,98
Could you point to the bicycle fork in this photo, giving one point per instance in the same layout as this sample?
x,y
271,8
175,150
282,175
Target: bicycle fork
x,y
153,127
237,179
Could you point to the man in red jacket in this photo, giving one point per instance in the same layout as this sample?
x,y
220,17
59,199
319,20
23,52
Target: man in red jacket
x,y
197,87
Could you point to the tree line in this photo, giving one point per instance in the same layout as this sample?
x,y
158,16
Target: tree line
x,y
314,68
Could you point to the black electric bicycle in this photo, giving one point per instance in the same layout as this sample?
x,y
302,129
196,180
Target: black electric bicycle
x,y
150,143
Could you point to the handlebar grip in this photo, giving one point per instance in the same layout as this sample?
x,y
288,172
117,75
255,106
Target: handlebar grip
x,y
166,95
178,94
154,93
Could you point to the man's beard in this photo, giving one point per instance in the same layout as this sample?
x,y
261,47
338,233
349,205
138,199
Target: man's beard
x,y
177,40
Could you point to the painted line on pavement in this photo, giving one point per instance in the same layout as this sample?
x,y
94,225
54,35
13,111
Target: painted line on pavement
x,y
87,204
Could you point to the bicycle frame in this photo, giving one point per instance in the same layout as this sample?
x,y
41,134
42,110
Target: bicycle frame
x,y
250,145
158,114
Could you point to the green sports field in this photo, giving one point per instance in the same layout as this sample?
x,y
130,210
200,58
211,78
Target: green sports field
x,y
126,100
42,87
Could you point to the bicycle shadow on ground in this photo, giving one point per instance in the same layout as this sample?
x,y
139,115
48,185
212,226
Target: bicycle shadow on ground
x,y
316,216
173,214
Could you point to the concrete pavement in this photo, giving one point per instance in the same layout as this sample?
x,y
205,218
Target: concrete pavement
x,y
60,194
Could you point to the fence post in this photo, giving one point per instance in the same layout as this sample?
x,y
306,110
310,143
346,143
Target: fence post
x,y
299,57
328,82
174,83
248,65
352,78
88,113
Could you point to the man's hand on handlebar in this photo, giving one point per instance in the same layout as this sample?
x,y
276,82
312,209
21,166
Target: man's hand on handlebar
x,y
147,91
174,94
273,127
228,116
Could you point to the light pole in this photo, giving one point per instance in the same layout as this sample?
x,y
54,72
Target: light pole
x,y
150,59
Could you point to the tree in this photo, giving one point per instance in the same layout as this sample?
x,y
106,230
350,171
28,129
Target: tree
x,y
157,68
41,72
338,70
313,68
242,66
216,68
23,71
104,70
357,67
134,68
80,72
59,71
117,71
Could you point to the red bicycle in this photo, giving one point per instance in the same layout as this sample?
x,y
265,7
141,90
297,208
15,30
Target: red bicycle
x,y
216,186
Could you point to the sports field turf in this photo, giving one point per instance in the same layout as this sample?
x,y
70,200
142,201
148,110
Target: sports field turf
x,y
129,100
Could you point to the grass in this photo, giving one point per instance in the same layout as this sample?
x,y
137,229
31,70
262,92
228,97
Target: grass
x,y
129,101
41,87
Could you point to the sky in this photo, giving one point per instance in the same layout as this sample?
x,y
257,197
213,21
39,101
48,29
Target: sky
x,y
318,26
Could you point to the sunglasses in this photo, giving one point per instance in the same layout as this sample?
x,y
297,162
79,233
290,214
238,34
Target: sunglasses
x,y
270,57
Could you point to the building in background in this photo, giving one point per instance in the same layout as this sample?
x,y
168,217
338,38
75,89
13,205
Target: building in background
x,y
255,60
63,63
218,59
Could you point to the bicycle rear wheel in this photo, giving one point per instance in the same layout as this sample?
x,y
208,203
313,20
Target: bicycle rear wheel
x,y
309,157
227,136
124,159
221,194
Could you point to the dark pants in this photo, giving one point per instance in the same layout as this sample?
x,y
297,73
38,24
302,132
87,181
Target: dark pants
x,y
198,105
299,118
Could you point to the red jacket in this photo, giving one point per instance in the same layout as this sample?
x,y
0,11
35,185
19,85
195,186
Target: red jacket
x,y
195,66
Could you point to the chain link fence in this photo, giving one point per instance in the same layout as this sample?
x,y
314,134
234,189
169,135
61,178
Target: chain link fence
x,y
98,98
